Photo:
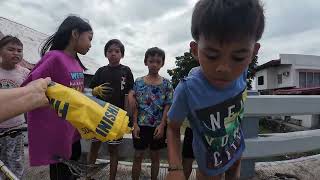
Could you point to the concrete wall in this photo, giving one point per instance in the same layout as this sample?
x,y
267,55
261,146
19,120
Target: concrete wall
x,y
263,73
271,77
300,61
287,75
308,121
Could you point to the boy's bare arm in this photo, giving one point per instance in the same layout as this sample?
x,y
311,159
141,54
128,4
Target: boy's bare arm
x,y
164,114
132,102
135,116
136,129
159,131
174,153
174,143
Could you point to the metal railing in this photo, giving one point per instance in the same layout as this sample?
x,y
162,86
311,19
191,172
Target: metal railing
x,y
268,145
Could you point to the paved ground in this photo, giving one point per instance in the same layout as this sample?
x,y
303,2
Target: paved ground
x,y
307,168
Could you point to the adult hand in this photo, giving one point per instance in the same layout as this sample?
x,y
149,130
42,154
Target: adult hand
x,y
37,89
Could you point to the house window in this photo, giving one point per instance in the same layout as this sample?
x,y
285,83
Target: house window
x,y
302,79
279,78
316,79
260,80
310,80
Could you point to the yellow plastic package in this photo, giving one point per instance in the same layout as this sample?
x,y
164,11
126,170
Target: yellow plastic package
x,y
105,123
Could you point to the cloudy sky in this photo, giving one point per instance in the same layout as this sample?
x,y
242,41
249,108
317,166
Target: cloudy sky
x,y
292,26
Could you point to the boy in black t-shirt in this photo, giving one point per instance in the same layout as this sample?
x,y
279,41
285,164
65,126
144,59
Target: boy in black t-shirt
x,y
111,83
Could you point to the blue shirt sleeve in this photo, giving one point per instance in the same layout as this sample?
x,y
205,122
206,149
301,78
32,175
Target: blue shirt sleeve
x,y
179,108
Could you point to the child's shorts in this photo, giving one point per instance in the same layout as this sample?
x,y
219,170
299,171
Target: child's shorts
x,y
147,141
114,142
187,151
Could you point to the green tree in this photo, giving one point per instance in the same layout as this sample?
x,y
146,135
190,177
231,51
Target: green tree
x,y
252,71
186,62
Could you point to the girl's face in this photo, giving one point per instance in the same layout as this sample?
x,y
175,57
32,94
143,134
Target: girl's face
x,y
11,54
154,64
83,43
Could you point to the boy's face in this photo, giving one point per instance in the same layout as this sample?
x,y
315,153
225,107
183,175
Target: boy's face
x,y
11,54
114,54
154,64
223,63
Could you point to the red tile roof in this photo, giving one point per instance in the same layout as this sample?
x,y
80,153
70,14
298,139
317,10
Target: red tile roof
x,y
272,63
298,91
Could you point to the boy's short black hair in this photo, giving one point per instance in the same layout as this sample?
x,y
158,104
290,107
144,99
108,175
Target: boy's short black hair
x,y
154,51
116,42
10,39
228,20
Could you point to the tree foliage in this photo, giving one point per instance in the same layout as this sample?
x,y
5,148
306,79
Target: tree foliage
x,y
186,62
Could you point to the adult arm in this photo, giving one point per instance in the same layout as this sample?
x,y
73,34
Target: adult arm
x,y
23,99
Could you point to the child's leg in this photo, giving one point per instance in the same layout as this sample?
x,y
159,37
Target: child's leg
x,y
136,166
60,171
233,173
187,166
201,176
94,150
114,158
12,154
155,163
140,145
155,146
187,153
76,151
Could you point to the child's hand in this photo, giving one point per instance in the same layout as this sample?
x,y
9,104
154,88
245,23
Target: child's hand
x,y
136,131
102,91
158,132
175,175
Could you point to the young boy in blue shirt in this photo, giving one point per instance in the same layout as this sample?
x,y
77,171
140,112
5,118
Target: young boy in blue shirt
x,y
225,34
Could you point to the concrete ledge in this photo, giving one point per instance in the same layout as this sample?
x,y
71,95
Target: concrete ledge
x,y
282,143
267,105
266,146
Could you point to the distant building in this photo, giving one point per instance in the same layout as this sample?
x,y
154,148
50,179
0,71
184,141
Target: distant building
x,y
32,41
291,71
292,74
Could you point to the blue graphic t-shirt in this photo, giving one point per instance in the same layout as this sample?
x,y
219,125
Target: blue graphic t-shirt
x,y
151,101
215,116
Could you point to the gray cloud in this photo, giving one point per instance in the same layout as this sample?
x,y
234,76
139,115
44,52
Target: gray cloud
x,y
292,25
289,16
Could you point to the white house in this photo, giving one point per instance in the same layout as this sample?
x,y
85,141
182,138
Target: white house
x,y
296,72
290,71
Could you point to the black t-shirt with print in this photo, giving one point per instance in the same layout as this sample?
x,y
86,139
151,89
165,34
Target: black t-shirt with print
x,y
120,79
